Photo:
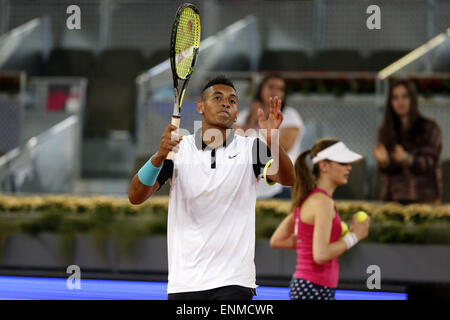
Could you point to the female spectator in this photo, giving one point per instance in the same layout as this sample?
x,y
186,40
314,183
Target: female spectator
x,y
408,150
291,129
314,227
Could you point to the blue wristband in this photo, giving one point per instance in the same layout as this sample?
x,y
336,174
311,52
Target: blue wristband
x,y
148,173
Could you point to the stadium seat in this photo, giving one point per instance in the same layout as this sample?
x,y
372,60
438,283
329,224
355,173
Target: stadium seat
x,y
110,106
446,181
157,57
30,62
378,60
119,64
337,60
440,61
356,186
71,63
283,60
232,63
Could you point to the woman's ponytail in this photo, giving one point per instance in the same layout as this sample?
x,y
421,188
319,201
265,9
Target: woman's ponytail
x,y
304,180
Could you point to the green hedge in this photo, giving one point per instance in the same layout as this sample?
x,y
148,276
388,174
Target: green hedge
x,y
106,216
390,222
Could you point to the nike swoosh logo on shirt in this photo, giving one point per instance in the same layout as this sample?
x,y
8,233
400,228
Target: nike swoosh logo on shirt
x,y
231,157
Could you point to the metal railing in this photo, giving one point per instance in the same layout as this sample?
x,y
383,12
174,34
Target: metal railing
x,y
47,163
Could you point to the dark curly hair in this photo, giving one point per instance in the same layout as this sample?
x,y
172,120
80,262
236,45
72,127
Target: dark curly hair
x,y
220,79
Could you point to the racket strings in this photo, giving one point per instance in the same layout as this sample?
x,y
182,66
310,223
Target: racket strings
x,y
187,39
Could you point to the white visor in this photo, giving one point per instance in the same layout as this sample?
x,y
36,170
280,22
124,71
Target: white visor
x,y
337,152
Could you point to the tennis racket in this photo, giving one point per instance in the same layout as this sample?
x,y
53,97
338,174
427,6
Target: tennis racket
x,y
184,47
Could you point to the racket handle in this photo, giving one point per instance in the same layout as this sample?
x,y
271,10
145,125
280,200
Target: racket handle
x,y
176,122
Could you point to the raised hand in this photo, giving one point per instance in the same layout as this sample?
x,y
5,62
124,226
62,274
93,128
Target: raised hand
x,y
273,121
167,142
381,154
361,229
400,155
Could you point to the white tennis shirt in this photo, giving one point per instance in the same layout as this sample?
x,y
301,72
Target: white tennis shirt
x,y
211,221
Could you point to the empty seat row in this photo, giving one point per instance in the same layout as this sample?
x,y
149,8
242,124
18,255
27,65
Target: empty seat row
x,y
328,60
323,60
111,63
128,63
111,91
110,105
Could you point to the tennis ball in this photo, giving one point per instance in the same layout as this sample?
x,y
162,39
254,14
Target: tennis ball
x,y
361,216
344,229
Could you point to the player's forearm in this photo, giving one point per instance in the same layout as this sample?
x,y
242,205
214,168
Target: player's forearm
x,y
285,243
284,237
331,251
139,192
158,160
282,167
288,137
145,182
287,144
287,173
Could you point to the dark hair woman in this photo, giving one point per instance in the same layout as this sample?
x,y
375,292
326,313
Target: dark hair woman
x,y
408,149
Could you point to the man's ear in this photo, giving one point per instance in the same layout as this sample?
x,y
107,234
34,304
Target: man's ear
x,y
200,107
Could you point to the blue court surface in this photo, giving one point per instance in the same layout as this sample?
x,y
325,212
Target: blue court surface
x,y
31,288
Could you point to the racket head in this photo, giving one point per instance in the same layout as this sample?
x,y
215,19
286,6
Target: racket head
x,y
185,42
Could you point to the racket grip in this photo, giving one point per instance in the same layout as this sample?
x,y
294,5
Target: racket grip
x,y
176,122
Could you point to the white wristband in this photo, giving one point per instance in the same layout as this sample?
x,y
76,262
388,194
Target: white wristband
x,y
350,240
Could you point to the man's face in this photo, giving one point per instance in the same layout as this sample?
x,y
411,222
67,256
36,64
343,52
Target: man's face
x,y
219,106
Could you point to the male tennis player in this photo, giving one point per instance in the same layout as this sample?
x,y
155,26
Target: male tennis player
x,y
211,221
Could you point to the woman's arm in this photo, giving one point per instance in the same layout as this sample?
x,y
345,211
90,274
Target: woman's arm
x,y
323,250
381,155
385,161
284,237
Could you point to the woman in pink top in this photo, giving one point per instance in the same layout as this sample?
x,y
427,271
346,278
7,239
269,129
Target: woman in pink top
x,y
314,226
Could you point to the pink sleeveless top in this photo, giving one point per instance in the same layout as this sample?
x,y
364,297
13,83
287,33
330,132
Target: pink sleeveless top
x,y
326,274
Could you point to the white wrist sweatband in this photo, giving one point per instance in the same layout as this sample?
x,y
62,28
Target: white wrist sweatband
x,y
350,240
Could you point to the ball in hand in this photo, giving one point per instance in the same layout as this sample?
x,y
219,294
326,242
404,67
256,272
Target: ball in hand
x,y
344,229
361,216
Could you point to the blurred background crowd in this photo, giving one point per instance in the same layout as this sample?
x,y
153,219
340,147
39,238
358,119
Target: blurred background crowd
x,y
106,86
82,109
